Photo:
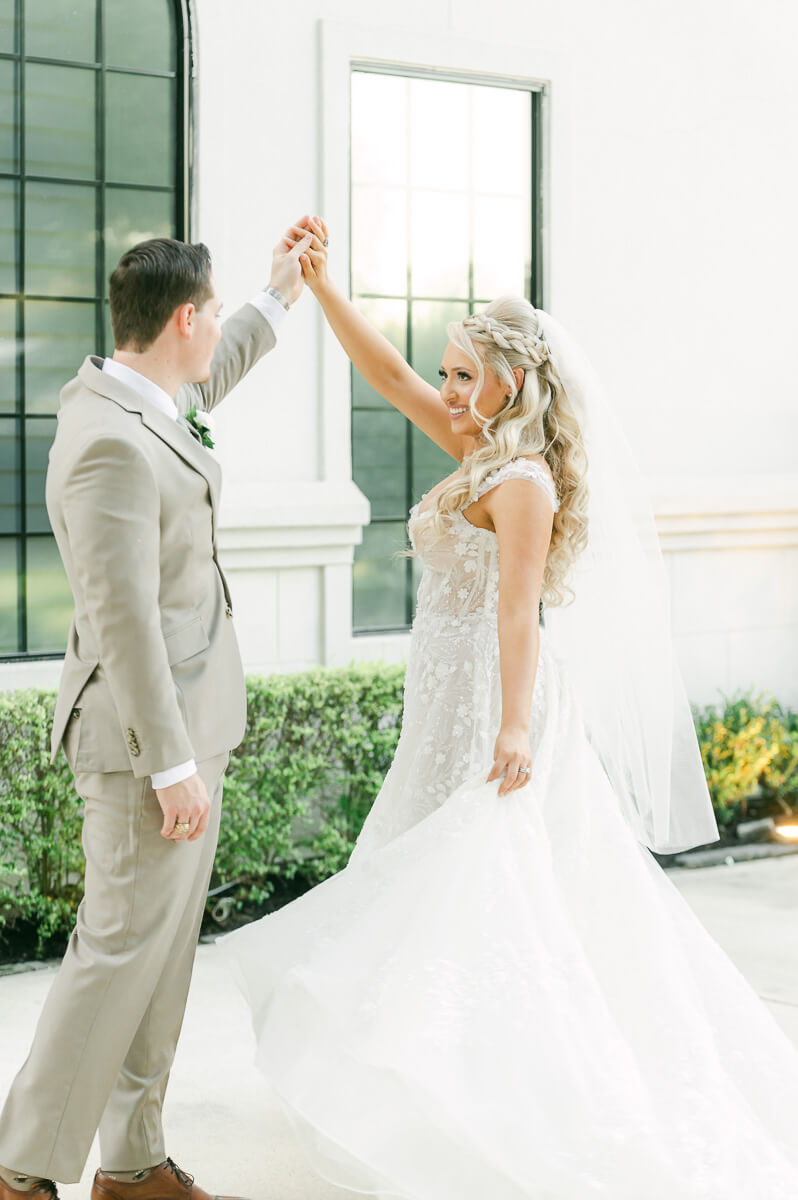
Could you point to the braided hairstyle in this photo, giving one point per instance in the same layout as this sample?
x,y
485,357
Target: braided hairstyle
x,y
537,419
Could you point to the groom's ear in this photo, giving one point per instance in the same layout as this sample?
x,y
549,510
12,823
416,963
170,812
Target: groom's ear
x,y
184,318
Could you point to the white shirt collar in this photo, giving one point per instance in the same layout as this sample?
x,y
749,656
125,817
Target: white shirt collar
x,y
145,387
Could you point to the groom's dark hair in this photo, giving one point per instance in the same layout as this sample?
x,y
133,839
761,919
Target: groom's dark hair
x,y
150,282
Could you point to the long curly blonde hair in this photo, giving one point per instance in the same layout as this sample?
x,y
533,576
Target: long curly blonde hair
x,y
537,419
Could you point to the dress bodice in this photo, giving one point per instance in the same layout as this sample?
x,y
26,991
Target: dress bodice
x,y
461,564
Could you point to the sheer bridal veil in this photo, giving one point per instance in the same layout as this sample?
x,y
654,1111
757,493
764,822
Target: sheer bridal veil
x,y
615,637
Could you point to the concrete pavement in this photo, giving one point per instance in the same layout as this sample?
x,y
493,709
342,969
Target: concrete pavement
x,y
220,1123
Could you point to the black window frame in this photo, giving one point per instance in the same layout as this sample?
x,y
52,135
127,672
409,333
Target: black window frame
x,y
184,75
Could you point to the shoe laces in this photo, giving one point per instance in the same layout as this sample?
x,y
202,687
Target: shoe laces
x,y
184,1177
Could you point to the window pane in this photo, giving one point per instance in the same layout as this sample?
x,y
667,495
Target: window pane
x,y
439,149
8,596
430,318
496,274
379,252
59,121
379,129
38,440
440,244
57,339
380,578
378,460
8,27
430,464
502,140
9,478
61,30
8,355
390,317
140,150
140,35
49,598
8,235
132,217
8,122
60,240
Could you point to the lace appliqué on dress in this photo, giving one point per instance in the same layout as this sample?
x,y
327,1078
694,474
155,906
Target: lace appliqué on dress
x,y
521,468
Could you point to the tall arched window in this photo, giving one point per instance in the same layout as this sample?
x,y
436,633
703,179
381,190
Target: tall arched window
x,y
93,147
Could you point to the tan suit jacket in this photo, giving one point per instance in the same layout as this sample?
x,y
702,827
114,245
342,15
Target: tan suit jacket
x,y
153,674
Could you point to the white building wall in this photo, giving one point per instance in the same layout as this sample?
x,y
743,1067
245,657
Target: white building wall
x,y
671,252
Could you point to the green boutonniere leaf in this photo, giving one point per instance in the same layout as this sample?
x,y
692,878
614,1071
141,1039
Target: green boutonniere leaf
x,y
195,420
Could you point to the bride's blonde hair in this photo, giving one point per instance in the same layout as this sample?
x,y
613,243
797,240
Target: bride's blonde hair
x,y
537,419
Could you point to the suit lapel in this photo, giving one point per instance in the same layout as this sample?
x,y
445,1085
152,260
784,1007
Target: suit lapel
x,y
174,433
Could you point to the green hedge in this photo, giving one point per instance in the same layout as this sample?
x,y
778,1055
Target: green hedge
x,y
750,752
41,857
298,789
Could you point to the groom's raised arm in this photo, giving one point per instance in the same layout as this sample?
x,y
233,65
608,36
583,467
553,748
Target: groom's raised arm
x,y
251,331
246,337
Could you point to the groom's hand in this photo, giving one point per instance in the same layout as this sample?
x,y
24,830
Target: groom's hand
x,y
286,274
314,257
184,803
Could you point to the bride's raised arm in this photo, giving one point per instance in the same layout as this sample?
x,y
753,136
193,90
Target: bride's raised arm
x,y
380,363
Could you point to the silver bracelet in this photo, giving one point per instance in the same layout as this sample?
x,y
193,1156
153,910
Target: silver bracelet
x,y
279,297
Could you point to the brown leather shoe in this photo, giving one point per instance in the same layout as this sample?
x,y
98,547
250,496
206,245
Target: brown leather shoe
x,y
46,1190
166,1182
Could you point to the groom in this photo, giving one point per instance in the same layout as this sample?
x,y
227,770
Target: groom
x,y
151,703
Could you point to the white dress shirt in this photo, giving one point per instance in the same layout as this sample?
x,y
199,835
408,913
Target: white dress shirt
x,y
274,313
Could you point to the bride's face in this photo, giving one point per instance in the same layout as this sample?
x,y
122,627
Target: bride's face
x,y
459,378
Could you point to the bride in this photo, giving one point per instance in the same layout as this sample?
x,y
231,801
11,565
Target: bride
x,y
503,996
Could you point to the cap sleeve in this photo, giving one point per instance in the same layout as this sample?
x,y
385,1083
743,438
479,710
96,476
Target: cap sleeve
x,y
521,468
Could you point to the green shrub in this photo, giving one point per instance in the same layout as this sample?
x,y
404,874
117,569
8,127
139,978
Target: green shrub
x,y
300,786
41,858
316,750
750,751
297,791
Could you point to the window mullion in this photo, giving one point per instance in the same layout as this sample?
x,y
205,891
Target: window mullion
x,y
409,337
22,544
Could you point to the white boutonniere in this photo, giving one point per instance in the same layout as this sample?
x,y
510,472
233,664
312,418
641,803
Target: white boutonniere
x,y
199,425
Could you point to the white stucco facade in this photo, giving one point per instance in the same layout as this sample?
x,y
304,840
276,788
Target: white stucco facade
x,y
670,251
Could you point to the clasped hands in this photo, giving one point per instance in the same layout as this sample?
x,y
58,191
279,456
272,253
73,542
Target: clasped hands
x,y
300,257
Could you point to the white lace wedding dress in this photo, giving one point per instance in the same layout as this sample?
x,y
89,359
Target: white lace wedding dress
x,y
505,998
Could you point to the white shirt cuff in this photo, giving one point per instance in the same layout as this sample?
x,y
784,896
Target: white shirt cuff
x,y
270,308
162,779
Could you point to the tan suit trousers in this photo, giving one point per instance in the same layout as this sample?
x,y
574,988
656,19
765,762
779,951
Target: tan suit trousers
x,y
107,1035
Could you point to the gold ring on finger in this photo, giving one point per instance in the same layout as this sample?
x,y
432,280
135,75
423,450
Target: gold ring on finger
x,y
181,827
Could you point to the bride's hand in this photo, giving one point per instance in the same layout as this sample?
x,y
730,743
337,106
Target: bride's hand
x,y
314,260
511,755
